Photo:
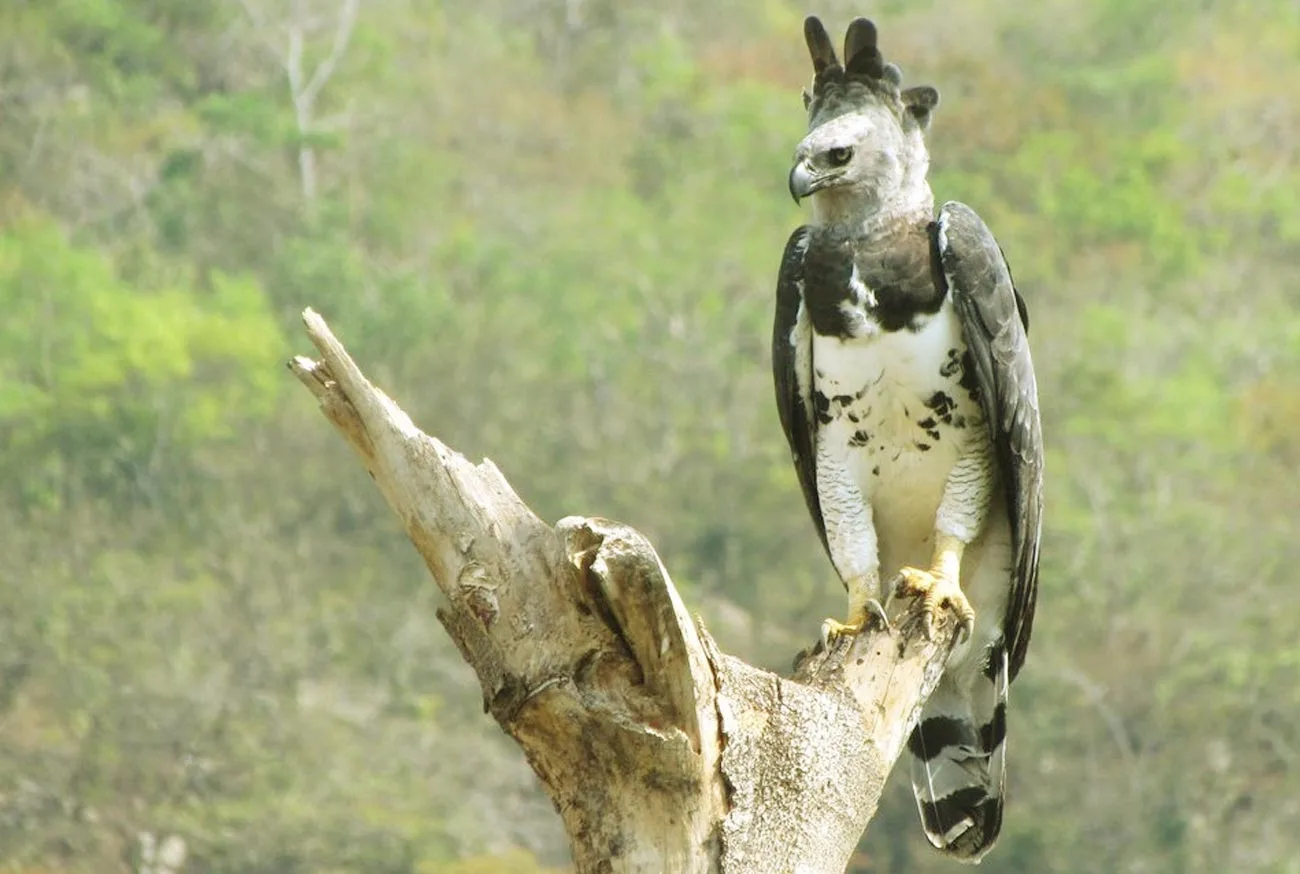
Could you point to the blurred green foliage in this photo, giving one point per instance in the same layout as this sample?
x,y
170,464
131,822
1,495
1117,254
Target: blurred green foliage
x,y
551,231
110,379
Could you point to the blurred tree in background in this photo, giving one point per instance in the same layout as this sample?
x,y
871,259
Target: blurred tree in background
x,y
551,229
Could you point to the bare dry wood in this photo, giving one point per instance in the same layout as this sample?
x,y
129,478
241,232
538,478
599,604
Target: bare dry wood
x,y
662,753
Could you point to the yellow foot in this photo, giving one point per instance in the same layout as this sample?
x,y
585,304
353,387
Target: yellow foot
x,y
937,591
859,619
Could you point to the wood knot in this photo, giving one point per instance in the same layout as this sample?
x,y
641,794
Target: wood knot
x,y
477,592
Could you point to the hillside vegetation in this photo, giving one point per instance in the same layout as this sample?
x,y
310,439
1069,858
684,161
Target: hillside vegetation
x,y
551,231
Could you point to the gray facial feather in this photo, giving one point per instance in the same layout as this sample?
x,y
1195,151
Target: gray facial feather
x,y
887,166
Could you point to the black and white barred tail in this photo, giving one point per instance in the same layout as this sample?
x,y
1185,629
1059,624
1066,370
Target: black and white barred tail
x,y
959,760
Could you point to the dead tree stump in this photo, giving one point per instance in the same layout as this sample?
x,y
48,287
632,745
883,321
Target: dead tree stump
x,y
661,753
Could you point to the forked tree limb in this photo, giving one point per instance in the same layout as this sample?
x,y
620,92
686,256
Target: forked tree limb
x,y
661,753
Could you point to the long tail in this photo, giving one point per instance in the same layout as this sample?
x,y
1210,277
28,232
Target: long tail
x,y
959,760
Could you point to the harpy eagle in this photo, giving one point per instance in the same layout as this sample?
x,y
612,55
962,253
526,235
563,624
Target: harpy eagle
x,y
907,393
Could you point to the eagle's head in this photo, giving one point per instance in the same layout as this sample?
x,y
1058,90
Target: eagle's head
x,y
864,152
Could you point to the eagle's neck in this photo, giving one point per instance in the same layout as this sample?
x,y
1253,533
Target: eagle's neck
x,y
867,218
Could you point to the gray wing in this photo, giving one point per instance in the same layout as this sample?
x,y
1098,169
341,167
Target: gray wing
x,y
792,370
996,325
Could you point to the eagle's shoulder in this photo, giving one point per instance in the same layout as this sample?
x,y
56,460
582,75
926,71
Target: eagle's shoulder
x,y
968,251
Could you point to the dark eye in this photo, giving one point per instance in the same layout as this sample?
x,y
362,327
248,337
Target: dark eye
x,y
839,157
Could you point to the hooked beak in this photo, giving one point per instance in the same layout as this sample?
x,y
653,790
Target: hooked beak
x,y
805,181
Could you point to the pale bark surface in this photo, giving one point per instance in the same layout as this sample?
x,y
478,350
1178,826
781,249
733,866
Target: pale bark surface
x,y
661,753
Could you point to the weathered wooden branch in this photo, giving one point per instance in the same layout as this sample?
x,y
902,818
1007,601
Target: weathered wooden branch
x,y
662,753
